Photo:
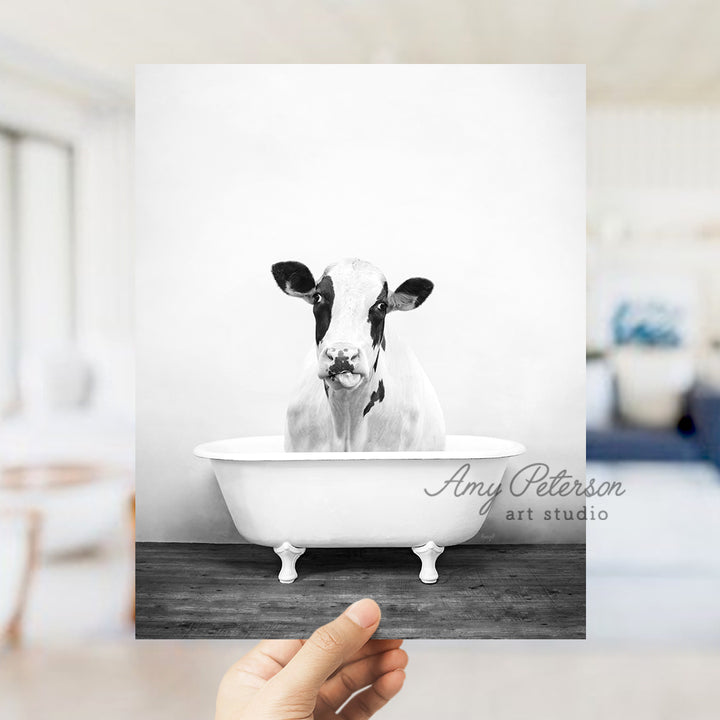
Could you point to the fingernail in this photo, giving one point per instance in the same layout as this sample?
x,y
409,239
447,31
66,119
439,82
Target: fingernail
x,y
364,613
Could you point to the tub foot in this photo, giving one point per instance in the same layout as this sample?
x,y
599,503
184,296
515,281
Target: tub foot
x,y
428,554
288,554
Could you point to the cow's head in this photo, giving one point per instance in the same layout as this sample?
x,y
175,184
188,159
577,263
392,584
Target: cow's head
x,y
350,302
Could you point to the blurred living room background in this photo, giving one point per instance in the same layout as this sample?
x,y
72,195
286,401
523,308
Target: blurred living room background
x,y
653,368
66,351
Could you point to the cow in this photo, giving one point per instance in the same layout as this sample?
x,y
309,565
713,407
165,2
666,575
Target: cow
x,y
361,390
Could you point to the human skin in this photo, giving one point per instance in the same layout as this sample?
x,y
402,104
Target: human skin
x,y
313,679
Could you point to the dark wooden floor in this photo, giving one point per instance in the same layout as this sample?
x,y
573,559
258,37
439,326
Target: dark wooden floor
x,y
189,590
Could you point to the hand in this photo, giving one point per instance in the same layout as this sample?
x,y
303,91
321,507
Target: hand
x,y
312,679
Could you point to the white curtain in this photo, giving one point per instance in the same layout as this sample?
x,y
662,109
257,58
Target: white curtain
x,y
45,264
8,388
37,286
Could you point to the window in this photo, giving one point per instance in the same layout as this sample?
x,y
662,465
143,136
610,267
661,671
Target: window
x,y
37,266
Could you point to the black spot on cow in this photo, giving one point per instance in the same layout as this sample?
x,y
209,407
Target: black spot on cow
x,y
377,396
322,306
376,317
340,364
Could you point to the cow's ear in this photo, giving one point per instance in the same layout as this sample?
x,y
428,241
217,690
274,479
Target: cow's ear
x,y
410,294
294,278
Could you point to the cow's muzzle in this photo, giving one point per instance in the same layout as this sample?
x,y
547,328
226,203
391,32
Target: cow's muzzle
x,y
340,364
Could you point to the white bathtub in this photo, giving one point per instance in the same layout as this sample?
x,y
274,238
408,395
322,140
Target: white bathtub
x,y
294,501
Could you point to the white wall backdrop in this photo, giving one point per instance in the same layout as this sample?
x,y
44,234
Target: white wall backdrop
x,y
473,176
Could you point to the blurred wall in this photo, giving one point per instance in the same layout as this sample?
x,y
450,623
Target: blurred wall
x,y
472,176
105,256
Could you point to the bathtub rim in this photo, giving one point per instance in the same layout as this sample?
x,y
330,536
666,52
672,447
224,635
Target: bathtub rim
x,y
217,450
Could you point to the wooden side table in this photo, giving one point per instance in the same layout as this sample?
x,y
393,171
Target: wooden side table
x,y
24,526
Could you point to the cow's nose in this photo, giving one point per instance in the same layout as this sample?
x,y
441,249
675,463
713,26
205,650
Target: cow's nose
x,y
342,352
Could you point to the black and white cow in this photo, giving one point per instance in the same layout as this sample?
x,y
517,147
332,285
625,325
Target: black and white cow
x,y
372,393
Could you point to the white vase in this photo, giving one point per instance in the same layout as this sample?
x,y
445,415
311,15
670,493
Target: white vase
x,y
652,383
599,394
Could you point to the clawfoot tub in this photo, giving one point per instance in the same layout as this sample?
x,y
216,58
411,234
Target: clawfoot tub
x,y
420,500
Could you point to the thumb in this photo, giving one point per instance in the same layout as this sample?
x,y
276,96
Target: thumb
x,y
328,648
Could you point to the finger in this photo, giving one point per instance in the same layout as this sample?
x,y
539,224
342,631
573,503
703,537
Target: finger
x,y
245,677
373,647
328,648
391,642
281,651
263,662
358,675
365,704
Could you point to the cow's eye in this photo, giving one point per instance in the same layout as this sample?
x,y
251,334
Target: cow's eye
x,y
317,297
381,306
